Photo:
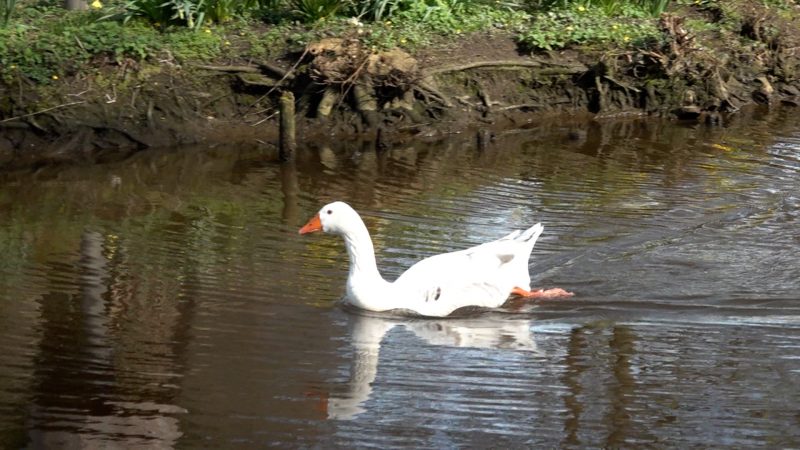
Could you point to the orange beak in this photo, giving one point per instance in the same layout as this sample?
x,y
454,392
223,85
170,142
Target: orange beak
x,y
313,225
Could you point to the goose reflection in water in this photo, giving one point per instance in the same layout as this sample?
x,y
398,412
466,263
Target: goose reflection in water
x,y
367,331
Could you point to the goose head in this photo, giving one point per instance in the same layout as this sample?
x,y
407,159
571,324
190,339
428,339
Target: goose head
x,y
335,218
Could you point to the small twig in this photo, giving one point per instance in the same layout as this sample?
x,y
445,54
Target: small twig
x,y
261,111
414,125
133,97
348,84
109,98
169,60
463,100
264,119
78,94
357,73
80,44
42,111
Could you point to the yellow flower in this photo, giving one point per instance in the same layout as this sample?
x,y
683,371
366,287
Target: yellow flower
x,y
402,40
97,4
388,23
207,30
626,38
615,26
227,42
55,77
581,8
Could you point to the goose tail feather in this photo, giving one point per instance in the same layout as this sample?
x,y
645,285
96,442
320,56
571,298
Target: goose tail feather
x,y
531,234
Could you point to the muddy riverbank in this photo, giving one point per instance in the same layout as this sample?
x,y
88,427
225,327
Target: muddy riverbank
x,y
482,82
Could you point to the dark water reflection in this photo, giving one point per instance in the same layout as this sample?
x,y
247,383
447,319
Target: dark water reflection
x,y
168,301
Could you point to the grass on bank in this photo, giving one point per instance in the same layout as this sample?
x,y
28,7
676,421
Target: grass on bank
x,y
41,42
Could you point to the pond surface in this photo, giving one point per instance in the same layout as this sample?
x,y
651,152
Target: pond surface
x,y
168,300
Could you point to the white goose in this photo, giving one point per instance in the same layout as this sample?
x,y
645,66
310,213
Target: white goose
x,y
484,276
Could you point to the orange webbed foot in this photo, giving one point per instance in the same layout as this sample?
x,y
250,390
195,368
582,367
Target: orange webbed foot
x,y
542,293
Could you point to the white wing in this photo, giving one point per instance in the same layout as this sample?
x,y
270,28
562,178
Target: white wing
x,y
440,284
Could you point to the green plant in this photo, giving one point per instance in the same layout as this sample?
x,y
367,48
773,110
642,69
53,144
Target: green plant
x,y
583,26
48,46
186,45
6,9
189,13
439,13
607,7
116,42
378,10
655,7
221,11
310,11
153,10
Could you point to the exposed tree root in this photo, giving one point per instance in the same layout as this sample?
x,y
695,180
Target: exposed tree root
x,y
329,98
366,103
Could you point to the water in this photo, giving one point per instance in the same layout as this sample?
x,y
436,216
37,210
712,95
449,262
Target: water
x,y
168,301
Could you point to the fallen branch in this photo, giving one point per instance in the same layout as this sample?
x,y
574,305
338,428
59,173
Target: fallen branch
x,y
275,70
42,111
478,64
260,68
230,69
554,68
522,106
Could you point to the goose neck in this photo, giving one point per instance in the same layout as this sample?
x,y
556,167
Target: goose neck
x,y
361,252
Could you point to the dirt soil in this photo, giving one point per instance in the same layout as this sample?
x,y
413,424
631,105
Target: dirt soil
x,y
483,82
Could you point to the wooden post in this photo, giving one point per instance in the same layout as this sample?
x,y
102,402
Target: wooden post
x,y
484,138
288,144
290,188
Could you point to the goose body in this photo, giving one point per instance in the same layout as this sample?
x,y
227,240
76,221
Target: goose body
x,y
484,275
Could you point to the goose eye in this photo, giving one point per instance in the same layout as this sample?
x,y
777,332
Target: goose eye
x,y
330,211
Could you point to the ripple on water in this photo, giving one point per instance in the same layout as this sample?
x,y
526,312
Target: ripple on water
x,y
182,308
